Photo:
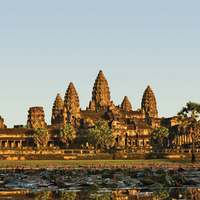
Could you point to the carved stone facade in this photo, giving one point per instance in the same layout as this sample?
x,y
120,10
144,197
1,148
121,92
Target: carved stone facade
x,y
100,94
149,107
2,125
57,110
36,117
126,105
131,127
71,105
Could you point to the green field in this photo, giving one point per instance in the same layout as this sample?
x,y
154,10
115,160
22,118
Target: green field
x,y
107,163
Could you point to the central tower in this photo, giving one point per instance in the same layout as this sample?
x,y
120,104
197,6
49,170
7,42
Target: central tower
x,y
100,94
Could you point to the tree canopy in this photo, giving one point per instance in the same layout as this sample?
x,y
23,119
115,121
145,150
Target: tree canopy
x,y
67,133
190,123
160,133
41,136
101,134
189,119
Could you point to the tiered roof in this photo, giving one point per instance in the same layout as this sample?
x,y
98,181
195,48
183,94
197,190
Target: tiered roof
x,y
71,101
149,106
57,110
101,93
126,105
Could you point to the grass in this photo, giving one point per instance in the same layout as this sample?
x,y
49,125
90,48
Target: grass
x,y
64,163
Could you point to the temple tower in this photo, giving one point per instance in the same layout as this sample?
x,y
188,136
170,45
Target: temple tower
x,y
57,110
148,107
2,125
36,117
126,105
71,105
100,94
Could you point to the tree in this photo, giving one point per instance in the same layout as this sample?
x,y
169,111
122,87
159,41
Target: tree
x,y
67,133
160,133
41,136
189,122
101,134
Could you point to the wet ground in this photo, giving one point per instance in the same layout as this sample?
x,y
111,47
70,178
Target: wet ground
x,y
100,182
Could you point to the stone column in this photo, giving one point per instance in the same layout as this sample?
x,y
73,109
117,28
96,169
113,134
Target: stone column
x,y
20,143
180,140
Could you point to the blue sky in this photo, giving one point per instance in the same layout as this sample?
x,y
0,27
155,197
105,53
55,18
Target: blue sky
x,y
45,45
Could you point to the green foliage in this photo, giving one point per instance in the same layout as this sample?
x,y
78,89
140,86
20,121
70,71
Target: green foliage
x,y
42,195
160,132
41,136
98,195
189,119
101,134
68,195
67,133
161,194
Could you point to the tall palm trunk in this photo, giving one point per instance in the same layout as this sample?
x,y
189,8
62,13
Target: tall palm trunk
x,y
193,150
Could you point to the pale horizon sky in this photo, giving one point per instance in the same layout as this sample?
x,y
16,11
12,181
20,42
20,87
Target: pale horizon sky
x,y
45,45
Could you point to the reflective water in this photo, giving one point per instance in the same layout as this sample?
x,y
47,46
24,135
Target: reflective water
x,y
103,194
113,183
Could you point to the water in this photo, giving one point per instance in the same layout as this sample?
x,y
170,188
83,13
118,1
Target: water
x,y
102,194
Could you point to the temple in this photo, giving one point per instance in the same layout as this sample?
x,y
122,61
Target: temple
x,y
131,127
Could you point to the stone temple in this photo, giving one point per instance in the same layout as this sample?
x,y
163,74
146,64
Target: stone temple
x,y
131,127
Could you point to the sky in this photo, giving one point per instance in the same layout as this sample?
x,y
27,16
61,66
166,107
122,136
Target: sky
x,y
45,45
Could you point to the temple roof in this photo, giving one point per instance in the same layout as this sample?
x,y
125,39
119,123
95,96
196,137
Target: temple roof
x,y
126,105
71,98
101,93
149,103
57,110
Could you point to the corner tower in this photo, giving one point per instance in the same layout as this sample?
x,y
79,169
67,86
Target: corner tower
x,y
57,110
149,107
100,94
71,104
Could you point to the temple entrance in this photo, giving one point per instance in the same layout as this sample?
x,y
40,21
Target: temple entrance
x,y
50,144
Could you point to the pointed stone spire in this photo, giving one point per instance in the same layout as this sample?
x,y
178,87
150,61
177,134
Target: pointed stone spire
x,y
149,107
100,94
126,105
57,110
2,125
71,102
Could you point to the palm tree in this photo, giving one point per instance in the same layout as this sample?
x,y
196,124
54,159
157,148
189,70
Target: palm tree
x,y
190,123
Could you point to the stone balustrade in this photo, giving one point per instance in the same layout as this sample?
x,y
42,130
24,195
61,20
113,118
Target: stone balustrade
x,y
27,150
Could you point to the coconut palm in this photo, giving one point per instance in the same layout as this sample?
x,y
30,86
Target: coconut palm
x,y
189,122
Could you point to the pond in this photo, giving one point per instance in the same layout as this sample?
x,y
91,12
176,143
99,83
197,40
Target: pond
x,y
101,183
103,194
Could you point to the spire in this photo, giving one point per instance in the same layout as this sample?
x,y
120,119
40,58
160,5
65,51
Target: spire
x,y
57,110
126,105
101,93
2,125
71,102
149,103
